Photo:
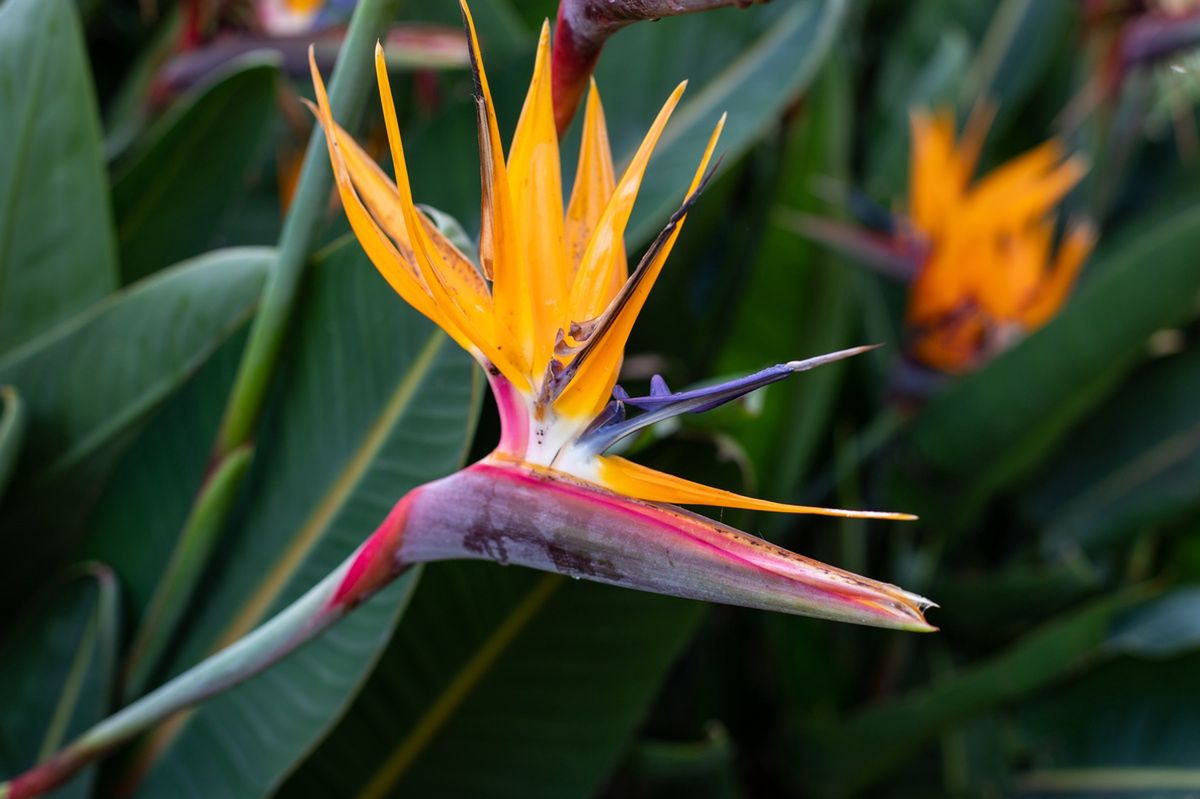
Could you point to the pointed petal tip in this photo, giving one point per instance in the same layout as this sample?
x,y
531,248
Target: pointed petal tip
x,y
805,364
902,610
882,515
921,606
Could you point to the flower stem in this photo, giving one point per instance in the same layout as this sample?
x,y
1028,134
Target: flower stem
x,y
371,567
582,28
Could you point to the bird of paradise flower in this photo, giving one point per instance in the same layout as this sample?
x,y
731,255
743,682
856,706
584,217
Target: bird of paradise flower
x,y
991,273
979,254
547,317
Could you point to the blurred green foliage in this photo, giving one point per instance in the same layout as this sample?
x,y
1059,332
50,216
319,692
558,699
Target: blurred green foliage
x,y
1059,486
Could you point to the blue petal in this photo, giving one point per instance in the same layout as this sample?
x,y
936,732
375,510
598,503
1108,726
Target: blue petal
x,y
662,404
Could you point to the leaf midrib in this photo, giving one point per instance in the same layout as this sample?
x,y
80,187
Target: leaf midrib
x,y
311,532
335,498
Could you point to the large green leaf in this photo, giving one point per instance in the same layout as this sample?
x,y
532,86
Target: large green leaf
x,y
151,489
755,64
93,380
1167,627
172,196
56,242
56,670
90,379
990,428
852,754
1022,42
373,401
501,682
1129,729
933,85
1125,468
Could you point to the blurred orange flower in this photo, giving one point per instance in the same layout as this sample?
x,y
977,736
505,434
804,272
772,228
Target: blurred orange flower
x,y
990,271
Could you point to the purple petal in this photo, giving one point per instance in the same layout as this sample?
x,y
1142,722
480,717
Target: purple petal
x,y
662,404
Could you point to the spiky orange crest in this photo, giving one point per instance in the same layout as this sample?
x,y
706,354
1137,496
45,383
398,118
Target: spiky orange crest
x,y
552,304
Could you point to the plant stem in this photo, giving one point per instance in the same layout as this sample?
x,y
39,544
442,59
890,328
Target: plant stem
x,y
582,28
352,77
175,590
368,569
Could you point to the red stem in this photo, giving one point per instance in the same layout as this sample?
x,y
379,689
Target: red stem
x,y
582,28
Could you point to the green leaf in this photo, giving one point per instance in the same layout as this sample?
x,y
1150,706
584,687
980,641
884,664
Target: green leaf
x,y
92,381
92,378
1166,627
373,401
755,64
1124,469
1128,729
1019,48
501,682
12,432
57,671
932,85
852,754
703,769
152,488
179,580
172,196
1005,602
56,243
989,429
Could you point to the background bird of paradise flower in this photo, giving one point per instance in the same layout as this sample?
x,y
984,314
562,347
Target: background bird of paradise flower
x,y
1058,483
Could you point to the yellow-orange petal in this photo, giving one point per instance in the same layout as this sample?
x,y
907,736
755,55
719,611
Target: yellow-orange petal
x,y
535,184
379,248
591,279
379,196
934,183
1015,270
498,231
1073,252
641,482
1026,187
595,373
594,184
453,289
